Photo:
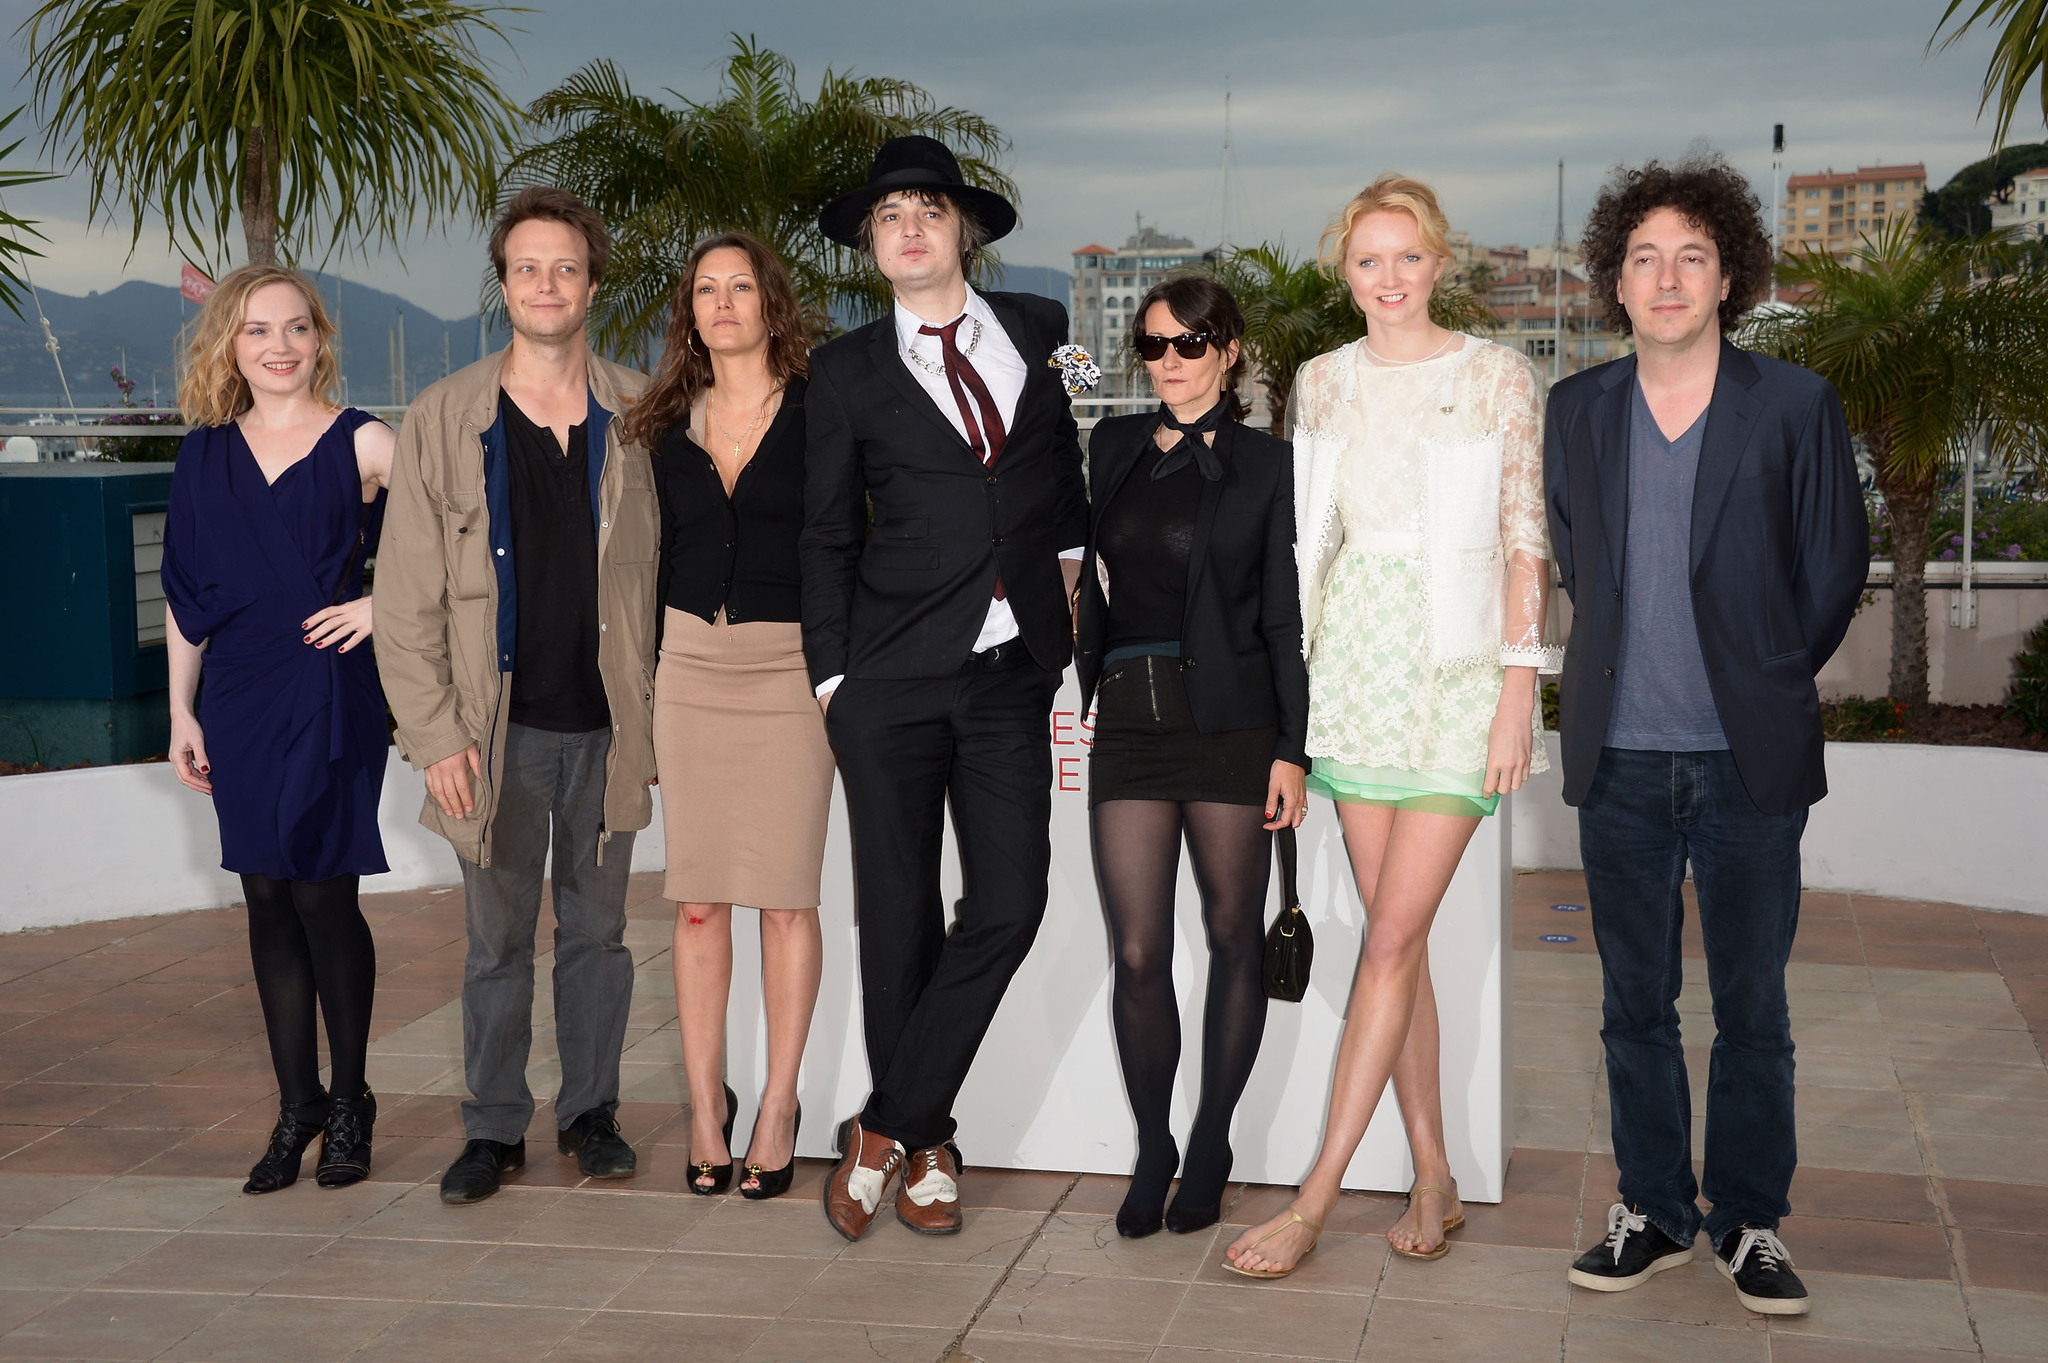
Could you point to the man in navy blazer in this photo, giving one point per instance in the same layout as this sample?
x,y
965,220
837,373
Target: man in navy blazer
x,y
1709,526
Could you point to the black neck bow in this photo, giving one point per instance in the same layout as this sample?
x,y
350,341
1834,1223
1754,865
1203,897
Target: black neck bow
x,y
1191,445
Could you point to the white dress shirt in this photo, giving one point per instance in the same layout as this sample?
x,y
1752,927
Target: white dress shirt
x,y
1003,371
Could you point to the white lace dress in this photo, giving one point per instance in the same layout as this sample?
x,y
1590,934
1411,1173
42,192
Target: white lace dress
x,y
1420,605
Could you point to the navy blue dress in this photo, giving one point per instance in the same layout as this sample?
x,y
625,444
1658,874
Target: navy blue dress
x,y
295,735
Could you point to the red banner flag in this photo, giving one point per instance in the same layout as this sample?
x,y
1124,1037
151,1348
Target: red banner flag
x,y
194,285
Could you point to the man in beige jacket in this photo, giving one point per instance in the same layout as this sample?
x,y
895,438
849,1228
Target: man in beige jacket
x,y
515,636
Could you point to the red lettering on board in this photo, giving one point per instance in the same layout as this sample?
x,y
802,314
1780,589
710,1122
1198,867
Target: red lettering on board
x,y
1070,774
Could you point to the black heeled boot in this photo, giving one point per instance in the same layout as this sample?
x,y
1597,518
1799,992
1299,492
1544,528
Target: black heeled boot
x,y
297,1125
719,1174
345,1145
774,1182
1140,1214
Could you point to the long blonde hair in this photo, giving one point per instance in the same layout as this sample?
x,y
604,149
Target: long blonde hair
x,y
212,391
1389,193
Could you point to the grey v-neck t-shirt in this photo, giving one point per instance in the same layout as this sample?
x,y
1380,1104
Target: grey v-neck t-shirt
x,y
1662,702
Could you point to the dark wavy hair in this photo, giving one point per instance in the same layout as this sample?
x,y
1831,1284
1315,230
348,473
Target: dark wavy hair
x,y
1707,192
685,370
1198,303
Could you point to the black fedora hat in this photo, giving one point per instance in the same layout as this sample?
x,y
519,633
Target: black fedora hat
x,y
915,163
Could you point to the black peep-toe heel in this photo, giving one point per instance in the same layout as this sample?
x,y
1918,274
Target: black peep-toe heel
x,y
719,1174
773,1182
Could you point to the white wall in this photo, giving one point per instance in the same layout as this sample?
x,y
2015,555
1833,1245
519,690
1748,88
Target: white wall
x,y
1908,821
116,842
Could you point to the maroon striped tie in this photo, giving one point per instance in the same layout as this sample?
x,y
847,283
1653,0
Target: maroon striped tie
x,y
960,376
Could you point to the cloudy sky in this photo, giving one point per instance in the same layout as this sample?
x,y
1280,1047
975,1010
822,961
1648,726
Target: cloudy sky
x,y
1116,110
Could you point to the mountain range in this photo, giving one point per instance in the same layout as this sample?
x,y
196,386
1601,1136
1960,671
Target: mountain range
x,y
136,324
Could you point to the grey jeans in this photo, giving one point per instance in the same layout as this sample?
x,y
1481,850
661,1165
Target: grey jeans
x,y
558,778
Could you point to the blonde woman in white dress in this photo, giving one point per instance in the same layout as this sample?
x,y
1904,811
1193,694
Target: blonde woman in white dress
x,y
1424,573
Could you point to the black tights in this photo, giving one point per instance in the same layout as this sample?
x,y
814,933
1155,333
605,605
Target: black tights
x,y
309,942
1137,860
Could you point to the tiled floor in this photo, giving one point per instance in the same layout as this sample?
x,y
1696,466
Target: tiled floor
x,y
134,1089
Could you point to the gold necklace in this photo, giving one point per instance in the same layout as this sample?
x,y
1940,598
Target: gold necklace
x,y
738,442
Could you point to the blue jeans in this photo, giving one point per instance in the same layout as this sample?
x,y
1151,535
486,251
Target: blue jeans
x,y
1646,815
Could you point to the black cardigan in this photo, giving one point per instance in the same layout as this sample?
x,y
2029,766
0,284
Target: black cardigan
x,y
1241,640
738,552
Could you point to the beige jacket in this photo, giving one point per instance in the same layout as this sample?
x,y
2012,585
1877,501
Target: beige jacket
x,y
437,594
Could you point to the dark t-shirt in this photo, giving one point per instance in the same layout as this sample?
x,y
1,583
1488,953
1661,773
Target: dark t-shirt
x,y
1146,538
1662,702
555,682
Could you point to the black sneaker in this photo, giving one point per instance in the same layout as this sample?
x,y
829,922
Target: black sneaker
x,y
1633,1253
1760,1266
600,1151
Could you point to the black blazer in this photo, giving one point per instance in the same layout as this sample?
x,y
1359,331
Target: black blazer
x,y
1780,551
1241,636
906,596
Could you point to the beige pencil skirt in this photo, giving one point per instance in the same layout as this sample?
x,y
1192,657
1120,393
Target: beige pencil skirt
x,y
746,773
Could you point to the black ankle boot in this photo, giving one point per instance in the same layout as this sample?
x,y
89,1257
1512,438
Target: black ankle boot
x,y
297,1125
1198,1203
1140,1214
345,1145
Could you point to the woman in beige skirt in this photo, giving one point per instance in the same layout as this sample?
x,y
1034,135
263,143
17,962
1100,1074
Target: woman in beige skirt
x,y
746,773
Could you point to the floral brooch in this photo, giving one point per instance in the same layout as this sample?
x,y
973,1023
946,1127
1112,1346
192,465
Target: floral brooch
x,y
1078,370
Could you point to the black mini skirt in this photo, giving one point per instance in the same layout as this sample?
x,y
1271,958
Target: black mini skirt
x,y
1148,748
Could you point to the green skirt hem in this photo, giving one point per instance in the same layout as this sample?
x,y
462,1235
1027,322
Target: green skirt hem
x,y
1427,792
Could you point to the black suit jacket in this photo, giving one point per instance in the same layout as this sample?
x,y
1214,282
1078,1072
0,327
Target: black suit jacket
x,y
906,596
1241,634
1780,551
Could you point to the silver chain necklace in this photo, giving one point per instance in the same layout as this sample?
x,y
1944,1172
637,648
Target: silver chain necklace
x,y
939,370
1386,363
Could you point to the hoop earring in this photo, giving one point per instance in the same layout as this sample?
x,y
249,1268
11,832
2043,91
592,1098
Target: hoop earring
x,y
697,345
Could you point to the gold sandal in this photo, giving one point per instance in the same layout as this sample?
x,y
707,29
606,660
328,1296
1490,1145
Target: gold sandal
x,y
1293,1217
1453,1223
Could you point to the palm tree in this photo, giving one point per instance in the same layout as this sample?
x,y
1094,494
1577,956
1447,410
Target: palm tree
x,y
759,156
361,117
1295,310
1932,344
2016,59
14,232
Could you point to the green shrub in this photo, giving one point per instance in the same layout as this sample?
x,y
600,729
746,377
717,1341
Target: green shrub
x,y
2027,701
1856,719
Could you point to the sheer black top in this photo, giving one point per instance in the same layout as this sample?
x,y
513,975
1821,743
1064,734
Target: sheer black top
x,y
1146,536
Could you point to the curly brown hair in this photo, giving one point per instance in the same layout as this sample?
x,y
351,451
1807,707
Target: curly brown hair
x,y
1707,192
685,370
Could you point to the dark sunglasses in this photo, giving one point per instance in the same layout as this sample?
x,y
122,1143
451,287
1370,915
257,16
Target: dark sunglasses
x,y
1191,345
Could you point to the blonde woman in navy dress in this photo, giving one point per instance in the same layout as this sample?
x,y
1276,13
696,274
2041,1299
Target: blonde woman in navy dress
x,y
275,504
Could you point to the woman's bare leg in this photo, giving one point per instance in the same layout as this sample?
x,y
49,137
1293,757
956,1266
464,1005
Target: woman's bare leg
x,y
703,964
1418,1084
1421,853
792,959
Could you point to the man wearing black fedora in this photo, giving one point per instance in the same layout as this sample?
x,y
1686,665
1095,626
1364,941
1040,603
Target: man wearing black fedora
x,y
944,513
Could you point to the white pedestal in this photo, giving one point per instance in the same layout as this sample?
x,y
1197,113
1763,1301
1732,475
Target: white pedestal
x,y
1046,1092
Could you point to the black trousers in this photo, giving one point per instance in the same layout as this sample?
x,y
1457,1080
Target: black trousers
x,y
982,739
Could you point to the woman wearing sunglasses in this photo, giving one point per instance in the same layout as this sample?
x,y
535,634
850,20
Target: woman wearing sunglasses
x,y
1425,570
1188,629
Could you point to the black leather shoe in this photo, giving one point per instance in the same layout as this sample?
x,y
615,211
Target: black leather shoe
x,y
345,1145
297,1125
1633,1253
773,1182
478,1169
720,1175
600,1151
1757,1262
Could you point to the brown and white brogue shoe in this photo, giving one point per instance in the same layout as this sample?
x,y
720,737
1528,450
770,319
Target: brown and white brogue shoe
x,y
929,1200
856,1186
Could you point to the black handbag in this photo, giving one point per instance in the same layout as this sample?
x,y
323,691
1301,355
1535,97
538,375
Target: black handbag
x,y
1290,945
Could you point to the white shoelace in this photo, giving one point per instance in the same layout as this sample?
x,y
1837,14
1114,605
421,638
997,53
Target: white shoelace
x,y
866,1184
934,1184
1770,1250
1622,1223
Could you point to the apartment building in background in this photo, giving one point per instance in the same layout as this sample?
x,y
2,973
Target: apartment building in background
x,y
1831,211
2026,208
